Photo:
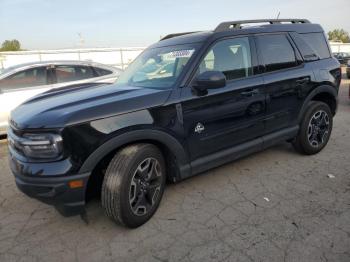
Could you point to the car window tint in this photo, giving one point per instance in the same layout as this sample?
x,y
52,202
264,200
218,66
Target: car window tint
x,y
102,72
232,57
317,42
73,73
28,78
276,52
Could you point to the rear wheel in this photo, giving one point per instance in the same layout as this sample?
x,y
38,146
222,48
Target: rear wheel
x,y
315,129
134,184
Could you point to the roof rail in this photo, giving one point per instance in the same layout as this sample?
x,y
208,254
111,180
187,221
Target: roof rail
x,y
176,34
238,24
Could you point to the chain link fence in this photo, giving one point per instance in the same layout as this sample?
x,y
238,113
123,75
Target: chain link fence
x,y
117,57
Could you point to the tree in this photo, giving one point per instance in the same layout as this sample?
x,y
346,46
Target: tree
x,y
339,35
11,45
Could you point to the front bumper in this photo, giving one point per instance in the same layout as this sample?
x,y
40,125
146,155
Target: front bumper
x,y
52,190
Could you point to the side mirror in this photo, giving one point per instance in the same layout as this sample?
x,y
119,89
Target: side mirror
x,y
209,80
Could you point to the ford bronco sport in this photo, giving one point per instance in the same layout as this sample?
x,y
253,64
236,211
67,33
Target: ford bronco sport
x,y
190,102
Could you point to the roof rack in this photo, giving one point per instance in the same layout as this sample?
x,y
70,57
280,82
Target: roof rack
x,y
176,34
238,24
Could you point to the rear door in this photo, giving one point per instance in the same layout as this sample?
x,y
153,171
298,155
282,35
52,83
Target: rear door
x,y
230,115
287,80
64,75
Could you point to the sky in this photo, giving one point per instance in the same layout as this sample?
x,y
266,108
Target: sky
x,y
57,24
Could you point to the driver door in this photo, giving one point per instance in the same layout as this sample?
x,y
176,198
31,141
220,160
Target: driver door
x,y
229,116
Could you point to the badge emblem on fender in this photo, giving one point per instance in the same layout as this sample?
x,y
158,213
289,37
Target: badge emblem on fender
x,y
199,128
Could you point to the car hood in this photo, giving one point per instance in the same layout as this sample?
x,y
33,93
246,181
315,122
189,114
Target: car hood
x,y
77,104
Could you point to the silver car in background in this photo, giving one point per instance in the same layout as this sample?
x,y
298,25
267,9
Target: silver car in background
x,y
19,83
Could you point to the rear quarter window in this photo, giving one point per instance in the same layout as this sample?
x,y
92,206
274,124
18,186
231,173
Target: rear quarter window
x,y
102,72
318,43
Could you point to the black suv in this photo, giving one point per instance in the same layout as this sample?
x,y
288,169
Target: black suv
x,y
190,102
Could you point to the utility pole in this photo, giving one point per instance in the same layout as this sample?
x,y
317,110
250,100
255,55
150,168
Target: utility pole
x,y
81,40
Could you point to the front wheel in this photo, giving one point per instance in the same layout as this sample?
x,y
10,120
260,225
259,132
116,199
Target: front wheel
x,y
315,129
134,184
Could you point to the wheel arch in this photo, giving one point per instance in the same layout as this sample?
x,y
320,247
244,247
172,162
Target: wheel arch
x,y
325,93
172,149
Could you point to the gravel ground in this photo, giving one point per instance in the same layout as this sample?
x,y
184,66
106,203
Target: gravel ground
x,y
275,205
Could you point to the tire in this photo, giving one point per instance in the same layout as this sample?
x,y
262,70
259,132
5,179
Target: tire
x,y
315,129
134,184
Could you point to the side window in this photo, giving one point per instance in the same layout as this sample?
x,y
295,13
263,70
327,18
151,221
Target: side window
x,y
317,42
276,52
101,71
72,73
232,57
27,78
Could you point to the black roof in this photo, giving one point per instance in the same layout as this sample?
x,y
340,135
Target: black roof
x,y
237,28
180,39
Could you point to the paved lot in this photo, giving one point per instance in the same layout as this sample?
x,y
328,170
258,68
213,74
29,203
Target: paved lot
x,y
272,206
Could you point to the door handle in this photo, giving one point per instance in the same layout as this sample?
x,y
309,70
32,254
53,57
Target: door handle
x,y
250,92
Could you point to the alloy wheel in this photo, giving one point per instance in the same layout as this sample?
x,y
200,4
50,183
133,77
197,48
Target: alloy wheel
x,y
318,128
145,186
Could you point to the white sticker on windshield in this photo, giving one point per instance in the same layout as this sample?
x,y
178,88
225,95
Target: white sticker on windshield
x,y
182,53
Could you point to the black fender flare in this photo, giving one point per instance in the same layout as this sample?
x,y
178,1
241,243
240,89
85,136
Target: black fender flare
x,y
320,89
139,135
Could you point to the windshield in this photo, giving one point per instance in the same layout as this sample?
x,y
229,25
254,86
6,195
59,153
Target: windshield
x,y
157,68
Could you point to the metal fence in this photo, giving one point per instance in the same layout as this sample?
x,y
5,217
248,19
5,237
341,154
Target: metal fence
x,y
118,57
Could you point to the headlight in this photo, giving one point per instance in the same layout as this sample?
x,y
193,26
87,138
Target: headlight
x,y
42,146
